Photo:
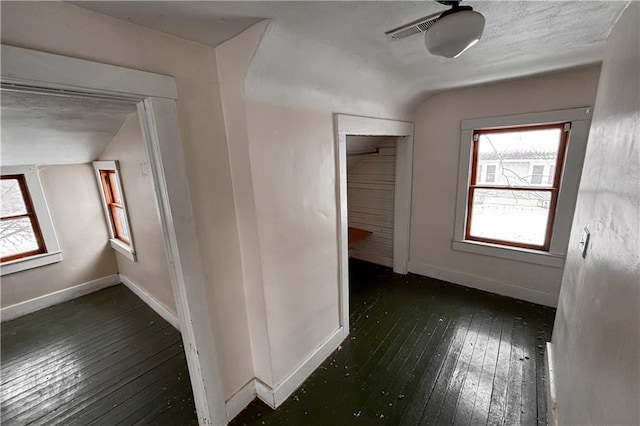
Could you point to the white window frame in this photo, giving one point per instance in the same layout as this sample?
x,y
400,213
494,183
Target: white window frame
x,y
127,250
576,145
53,253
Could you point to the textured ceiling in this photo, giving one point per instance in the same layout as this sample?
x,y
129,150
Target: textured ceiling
x,y
193,20
335,56
45,129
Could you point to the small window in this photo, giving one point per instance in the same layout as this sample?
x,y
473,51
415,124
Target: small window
x,y
515,208
20,234
27,237
115,207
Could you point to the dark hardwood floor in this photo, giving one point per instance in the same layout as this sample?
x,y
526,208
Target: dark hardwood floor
x,y
422,351
105,358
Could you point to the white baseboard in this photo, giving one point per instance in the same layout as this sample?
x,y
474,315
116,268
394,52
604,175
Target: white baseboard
x,y
274,397
552,402
485,284
265,393
153,303
241,399
32,305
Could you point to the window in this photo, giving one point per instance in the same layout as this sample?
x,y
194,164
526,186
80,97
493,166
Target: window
x,y
114,206
522,208
27,238
514,208
20,234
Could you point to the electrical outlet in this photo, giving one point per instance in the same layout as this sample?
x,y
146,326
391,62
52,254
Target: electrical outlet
x,y
584,242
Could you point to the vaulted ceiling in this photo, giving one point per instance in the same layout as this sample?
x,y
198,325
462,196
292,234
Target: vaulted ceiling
x,y
335,55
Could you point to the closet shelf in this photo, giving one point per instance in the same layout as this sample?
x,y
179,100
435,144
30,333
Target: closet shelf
x,y
356,235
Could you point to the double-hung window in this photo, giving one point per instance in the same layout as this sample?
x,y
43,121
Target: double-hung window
x,y
517,184
20,234
512,206
27,238
114,205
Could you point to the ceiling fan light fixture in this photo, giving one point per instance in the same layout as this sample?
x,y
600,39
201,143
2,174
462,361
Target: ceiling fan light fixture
x,y
454,32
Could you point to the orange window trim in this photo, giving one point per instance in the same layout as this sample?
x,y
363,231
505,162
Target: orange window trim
x,y
108,179
554,189
30,213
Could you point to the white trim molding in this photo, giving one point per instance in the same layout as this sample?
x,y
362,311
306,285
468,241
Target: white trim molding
x,y
275,396
241,399
155,95
53,253
552,402
151,301
19,309
349,125
30,262
46,70
580,119
512,253
485,284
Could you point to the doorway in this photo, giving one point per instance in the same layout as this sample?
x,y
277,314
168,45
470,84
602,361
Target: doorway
x,y
402,131
154,96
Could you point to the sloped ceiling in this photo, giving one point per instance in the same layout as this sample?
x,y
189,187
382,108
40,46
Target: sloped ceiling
x,y
335,56
361,144
42,129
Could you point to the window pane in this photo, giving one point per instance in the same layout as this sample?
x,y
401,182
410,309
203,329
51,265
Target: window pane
x,y
536,175
514,152
551,175
121,218
491,174
507,215
117,192
11,202
17,236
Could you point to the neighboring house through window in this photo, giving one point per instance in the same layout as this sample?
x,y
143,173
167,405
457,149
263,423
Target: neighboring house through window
x,y
114,204
27,237
522,207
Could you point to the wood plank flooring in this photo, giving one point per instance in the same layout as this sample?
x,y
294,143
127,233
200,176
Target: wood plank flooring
x,y
105,358
423,352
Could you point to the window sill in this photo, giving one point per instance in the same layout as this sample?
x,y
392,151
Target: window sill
x,y
511,253
123,249
31,262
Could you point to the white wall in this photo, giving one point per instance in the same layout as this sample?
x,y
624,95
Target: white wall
x,y
293,166
150,270
435,173
282,162
233,59
79,223
371,201
596,336
66,29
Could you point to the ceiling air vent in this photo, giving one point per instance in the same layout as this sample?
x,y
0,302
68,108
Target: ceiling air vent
x,y
415,27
